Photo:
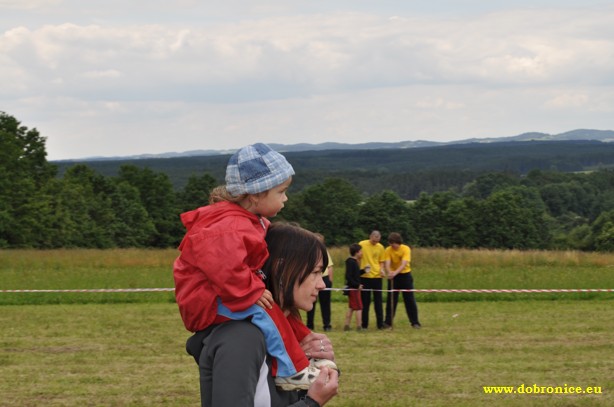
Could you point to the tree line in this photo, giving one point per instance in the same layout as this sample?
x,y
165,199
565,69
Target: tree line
x,y
140,207
408,172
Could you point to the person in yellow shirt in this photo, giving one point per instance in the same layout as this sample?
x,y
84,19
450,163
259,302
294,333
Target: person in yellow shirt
x,y
372,263
397,261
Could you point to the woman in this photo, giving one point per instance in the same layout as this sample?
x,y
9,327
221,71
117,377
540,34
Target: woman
x,y
235,369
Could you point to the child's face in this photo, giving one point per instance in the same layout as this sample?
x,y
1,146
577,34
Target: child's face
x,y
272,201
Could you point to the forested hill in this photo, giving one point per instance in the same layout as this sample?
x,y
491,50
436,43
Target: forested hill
x,y
405,171
513,195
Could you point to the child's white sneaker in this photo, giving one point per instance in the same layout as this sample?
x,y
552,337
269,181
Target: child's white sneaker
x,y
300,381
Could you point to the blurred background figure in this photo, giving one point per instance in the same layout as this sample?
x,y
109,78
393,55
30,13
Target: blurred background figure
x,y
324,295
372,264
398,269
352,281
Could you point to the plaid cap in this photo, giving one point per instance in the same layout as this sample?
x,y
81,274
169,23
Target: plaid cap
x,y
256,168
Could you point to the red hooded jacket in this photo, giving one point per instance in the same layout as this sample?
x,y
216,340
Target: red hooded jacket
x,y
222,251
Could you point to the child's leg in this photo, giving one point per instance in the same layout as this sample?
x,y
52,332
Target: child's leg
x,y
348,317
280,339
358,318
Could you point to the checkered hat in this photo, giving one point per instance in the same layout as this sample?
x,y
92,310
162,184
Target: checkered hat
x,y
256,168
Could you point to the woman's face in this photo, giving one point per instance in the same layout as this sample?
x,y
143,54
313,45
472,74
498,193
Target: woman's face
x,y
306,293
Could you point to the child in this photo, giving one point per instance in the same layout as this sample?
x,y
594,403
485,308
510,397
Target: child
x,y
352,280
218,274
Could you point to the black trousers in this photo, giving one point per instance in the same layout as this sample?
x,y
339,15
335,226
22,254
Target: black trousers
x,y
324,300
374,284
402,282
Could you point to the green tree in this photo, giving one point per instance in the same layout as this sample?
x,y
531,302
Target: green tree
x,y
427,218
158,198
513,218
460,228
132,226
330,208
196,192
602,232
24,170
579,238
386,212
86,209
83,205
485,185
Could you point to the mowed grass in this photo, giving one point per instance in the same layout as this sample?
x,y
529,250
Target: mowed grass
x,y
432,269
133,355
85,269
127,349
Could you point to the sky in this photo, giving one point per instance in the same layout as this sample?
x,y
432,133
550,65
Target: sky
x,y
117,78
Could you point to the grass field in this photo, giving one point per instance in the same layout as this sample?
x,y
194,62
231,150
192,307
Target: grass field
x,y
84,349
83,269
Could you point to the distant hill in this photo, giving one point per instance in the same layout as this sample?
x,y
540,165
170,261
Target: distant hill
x,y
405,170
606,136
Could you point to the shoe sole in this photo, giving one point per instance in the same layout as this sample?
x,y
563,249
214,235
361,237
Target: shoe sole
x,y
291,387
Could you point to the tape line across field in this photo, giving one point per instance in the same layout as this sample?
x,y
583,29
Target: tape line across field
x,y
423,290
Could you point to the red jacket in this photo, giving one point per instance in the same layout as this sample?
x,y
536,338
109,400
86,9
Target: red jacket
x,y
221,252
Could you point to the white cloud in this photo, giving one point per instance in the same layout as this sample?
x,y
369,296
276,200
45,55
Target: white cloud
x,y
108,73
290,75
568,100
28,4
323,53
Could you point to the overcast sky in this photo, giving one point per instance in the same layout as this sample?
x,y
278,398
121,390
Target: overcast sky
x,y
109,78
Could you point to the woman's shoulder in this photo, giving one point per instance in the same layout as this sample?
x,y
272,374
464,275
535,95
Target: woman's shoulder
x,y
237,332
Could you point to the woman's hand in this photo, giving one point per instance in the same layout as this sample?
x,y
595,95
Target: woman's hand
x,y
318,346
325,386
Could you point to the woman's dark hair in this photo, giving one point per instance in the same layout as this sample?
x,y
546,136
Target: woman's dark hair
x,y
294,253
354,248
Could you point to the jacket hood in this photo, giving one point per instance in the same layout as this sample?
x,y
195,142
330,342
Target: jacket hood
x,y
210,214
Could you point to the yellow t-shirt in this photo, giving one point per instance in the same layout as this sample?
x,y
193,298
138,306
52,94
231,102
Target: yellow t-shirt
x,y
396,257
373,255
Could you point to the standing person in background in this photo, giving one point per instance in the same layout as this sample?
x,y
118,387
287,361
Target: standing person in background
x,y
352,281
373,265
324,295
397,261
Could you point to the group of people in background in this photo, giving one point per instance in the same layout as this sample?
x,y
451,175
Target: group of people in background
x,y
368,264
394,264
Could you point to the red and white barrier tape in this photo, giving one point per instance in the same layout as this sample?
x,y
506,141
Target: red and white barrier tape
x,y
93,290
500,290
423,290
